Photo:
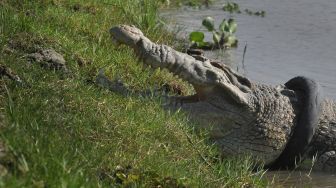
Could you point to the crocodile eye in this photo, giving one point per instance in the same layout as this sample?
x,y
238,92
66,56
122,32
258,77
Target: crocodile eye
x,y
244,81
218,65
240,79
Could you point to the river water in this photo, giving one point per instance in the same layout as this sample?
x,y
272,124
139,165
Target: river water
x,y
296,37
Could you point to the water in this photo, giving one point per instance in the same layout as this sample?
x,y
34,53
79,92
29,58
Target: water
x,y
301,179
296,37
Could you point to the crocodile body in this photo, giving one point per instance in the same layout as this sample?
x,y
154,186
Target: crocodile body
x,y
243,117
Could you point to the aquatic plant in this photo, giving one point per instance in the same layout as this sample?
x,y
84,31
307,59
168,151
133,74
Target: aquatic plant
x,y
231,7
261,13
190,3
223,37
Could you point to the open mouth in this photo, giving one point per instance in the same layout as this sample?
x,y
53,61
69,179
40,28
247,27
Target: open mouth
x,y
204,74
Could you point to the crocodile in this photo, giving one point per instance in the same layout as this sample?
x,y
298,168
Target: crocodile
x,y
279,126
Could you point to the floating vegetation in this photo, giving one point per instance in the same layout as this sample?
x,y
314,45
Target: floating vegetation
x,y
257,13
198,3
222,38
232,7
190,3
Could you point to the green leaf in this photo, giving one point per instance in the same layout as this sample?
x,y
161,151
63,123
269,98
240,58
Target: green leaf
x,y
235,7
232,25
226,8
229,26
231,7
196,36
223,26
216,37
230,41
209,23
204,44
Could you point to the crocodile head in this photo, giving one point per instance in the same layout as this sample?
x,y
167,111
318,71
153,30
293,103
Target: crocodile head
x,y
242,117
125,34
206,76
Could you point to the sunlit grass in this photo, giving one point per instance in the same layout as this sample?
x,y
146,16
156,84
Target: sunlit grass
x,y
63,131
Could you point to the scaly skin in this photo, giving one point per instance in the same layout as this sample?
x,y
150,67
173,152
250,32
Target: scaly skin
x,y
242,117
324,140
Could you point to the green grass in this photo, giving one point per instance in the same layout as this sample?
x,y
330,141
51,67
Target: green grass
x,y
63,131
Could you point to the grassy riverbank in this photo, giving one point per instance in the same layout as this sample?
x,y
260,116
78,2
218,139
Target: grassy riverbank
x,y
63,131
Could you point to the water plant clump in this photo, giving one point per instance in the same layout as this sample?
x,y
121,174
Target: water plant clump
x,y
189,3
231,7
223,37
261,13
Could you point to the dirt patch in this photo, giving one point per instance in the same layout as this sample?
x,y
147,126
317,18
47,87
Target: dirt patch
x,y
81,61
37,49
7,50
23,42
49,59
29,43
7,72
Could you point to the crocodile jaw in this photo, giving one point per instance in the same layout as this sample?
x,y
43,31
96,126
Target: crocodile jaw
x,y
125,34
203,75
